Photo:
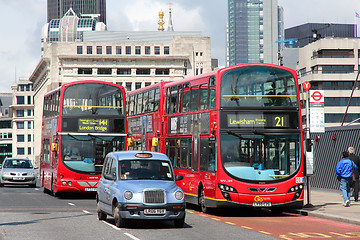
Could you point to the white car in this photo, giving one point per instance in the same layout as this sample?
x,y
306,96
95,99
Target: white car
x,y
17,171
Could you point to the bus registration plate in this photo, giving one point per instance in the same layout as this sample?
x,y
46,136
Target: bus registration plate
x,y
261,204
154,211
90,189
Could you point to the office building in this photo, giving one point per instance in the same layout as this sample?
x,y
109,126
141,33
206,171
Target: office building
x,y
5,126
56,9
22,114
332,65
253,28
310,32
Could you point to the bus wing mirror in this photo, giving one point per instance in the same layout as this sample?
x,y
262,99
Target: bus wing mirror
x,y
179,177
54,147
155,142
130,142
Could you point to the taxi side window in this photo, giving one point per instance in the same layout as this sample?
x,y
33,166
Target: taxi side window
x,y
113,168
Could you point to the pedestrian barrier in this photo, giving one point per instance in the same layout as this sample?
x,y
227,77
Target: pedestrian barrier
x,y
327,148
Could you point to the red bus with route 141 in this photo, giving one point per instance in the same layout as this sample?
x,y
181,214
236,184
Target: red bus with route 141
x,y
82,122
236,136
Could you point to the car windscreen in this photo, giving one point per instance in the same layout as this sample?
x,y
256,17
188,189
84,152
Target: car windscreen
x,y
145,169
17,163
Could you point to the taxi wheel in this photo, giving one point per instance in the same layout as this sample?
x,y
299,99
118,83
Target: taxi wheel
x,y
119,222
101,215
179,223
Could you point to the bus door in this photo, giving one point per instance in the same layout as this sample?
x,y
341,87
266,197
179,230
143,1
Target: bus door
x,y
207,165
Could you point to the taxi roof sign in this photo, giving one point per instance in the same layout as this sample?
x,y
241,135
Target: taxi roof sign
x,y
143,155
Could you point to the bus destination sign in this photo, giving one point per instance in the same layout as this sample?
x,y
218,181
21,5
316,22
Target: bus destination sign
x,y
257,120
93,125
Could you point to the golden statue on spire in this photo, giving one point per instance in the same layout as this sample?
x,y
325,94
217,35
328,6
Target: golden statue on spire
x,y
161,21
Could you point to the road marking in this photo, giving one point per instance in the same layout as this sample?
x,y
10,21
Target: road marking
x,y
71,204
217,219
87,212
230,223
114,227
247,227
131,236
265,232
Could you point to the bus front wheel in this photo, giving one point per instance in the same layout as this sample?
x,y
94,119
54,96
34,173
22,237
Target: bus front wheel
x,y
204,208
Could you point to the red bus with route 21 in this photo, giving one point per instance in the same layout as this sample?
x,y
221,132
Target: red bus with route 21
x,y
82,122
236,136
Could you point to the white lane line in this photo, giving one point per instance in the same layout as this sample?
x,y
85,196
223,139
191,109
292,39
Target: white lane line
x,y
131,236
87,212
71,204
111,225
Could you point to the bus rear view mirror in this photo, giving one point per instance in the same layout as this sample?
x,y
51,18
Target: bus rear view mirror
x,y
54,147
130,142
155,142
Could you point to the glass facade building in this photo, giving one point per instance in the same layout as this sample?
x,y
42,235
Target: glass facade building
x,y
57,8
252,31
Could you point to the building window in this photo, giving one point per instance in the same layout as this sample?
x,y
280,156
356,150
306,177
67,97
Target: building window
x,y
98,49
29,150
29,112
28,87
29,125
79,50
138,85
143,71
157,50
20,151
128,86
166,50
104,71
29,137
20,113
147,50
20,100
82,71
108,50
123,71
147,84
20,138
89,49
337,69
161,71
128,50
137,50
118,50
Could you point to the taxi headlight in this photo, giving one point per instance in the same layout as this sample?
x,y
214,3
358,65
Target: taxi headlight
x,y
179,195
128,195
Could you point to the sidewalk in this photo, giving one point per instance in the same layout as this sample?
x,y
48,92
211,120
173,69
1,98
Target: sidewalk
x,y
329,204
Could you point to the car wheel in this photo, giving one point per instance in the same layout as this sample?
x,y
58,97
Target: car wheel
x,y
119,222
179,223
204,209
101,215
32,185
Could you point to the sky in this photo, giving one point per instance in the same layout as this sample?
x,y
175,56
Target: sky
x,y
21,22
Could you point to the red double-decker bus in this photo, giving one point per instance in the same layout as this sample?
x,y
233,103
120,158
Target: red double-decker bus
x,y
144,117
82,122
235,134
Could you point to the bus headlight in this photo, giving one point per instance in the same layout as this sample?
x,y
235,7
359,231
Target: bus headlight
x,y
297,189
179,195
128,195
226,188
